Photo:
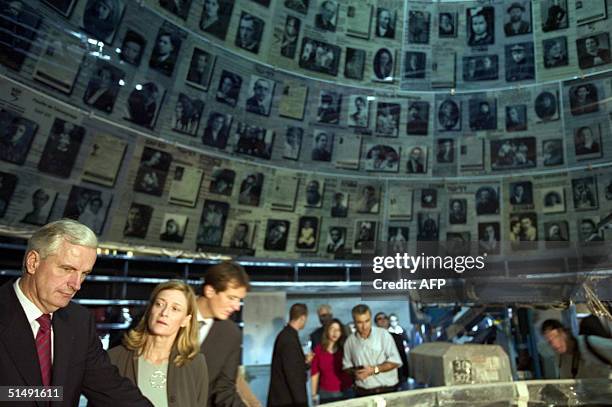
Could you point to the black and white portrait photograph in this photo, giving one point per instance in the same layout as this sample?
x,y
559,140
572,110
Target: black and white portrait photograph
x,y
457,211
228,90
216,16
132,48
418,118
418,27
354,64
88,206
414,65
397,238
313,193
40,205
137,220
222,181
242,235
179,8
523,228
277,232
319,56
521,193
516,118
553,199
593,50
557,231
480,68
385,23
336,239
293,143
588,230
552,152
359,111
383,65
489,237
387,119
260,96
428,227
250,189
101,18
587,142
365,234
487,200
429,198
368,199
289,40
327,15
447,25
250,31
152,171
187,114
16,137
449,115
583,99
546,106
340,205
200,69
212,223
445,153
61,149
457,243
481,26
520,62
8,182
555,52
103,87
64,7
144,104
254,141
217,130
483,114
381,157
330,104
308,234
584,191
166,49
416,162
517,153
173,228
323,145
18,26
517,20
554,14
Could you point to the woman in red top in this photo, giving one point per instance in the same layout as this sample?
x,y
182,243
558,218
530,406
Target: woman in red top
x,y
329,382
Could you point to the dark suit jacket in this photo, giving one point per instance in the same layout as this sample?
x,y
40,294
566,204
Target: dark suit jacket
x,y
79,363
222,351
187,385
288,372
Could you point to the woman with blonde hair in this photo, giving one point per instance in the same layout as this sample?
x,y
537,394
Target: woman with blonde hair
x,y
161,354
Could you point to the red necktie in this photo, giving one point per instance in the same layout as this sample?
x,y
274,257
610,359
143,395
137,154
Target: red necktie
x,y
43,348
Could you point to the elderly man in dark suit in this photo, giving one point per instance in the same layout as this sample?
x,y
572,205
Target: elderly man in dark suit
x,y
516,25
289,365
36,313
225,285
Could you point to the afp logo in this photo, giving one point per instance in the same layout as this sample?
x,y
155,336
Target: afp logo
x,y
15,93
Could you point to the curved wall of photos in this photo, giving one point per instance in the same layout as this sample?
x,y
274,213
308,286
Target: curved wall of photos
x,y
285,128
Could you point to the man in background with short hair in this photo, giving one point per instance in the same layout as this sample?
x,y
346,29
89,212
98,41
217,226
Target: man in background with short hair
x,y
325,314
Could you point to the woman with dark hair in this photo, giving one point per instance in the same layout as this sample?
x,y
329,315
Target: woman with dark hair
x,y
142,104
101,18
183,112
329,382
161,355
383,64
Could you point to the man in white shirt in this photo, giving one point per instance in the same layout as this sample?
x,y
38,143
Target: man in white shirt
x,y
225,286
370,356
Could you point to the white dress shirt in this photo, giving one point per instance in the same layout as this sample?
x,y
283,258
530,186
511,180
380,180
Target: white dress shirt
x,y
204,329
32,313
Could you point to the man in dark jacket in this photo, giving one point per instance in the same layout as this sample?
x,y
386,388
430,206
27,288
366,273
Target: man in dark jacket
x,y
289,365
225,285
